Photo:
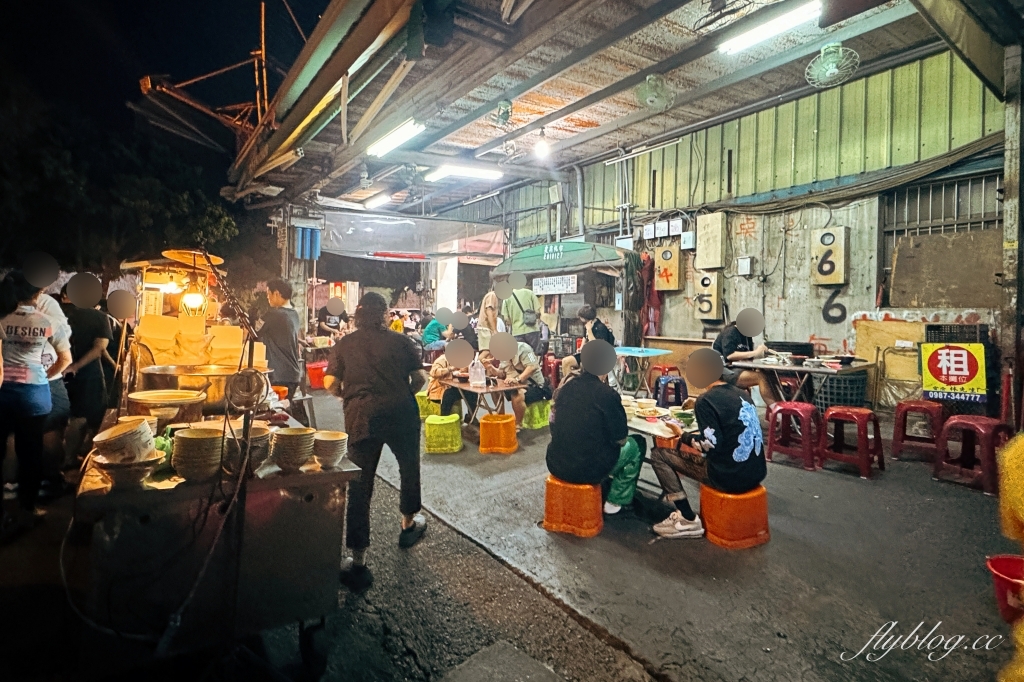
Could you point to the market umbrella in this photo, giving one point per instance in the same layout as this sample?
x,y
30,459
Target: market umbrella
x,y
563,257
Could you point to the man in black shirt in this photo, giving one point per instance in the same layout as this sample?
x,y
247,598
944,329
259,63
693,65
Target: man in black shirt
x,y
589,440
727,454
734,346
328,324
280,334
90,336
596,329
377,372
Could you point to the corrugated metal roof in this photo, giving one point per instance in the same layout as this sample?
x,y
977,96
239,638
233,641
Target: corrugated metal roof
x,y
658,41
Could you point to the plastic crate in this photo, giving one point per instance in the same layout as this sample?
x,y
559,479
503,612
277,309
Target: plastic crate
x,y
956,333
841,389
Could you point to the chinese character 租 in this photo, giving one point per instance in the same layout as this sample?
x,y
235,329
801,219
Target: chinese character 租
x,y
953,362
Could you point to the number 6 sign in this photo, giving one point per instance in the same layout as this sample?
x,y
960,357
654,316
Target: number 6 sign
x,y
828,255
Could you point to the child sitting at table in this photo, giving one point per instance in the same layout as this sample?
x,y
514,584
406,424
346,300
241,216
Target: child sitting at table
x,y
727,453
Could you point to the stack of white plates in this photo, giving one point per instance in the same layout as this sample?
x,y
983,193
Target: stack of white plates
x,y
292,447
629,405
330,447
197,453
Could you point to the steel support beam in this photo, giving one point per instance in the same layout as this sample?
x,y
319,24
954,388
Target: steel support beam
x,y
645,18
437,160
968,39
866,25
701,48
1013,166
999,18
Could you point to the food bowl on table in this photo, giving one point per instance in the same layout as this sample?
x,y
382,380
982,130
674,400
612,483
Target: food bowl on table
x,y
128,441
125,475
461,377
151,420
813,362
845,360
197,453
329,448
645,403
291,448
798,360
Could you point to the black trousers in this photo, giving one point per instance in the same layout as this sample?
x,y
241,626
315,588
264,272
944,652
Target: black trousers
x,y
28,446
452,397
401,433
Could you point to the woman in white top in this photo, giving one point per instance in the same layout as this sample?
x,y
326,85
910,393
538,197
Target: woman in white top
x,y
489,323
25,392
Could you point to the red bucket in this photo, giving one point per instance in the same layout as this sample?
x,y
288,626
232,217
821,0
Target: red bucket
x,y
1008,576
315,371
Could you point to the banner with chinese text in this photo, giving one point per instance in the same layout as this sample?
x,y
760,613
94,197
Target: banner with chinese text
x,y
954,371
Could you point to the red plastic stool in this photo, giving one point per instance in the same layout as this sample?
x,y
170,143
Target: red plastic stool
x,y
552,369
572,508
988,432
782,440
901,440
866,451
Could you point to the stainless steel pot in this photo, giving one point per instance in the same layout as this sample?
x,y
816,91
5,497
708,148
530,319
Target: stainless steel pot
x,y
211,379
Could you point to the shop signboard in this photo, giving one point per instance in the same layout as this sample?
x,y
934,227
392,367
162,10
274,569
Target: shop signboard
x,y
562,284
954,371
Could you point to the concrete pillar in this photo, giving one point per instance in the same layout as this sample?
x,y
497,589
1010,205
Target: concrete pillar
x,y
1009,316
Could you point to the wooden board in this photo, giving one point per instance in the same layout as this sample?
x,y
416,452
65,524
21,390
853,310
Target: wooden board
x,y
955,270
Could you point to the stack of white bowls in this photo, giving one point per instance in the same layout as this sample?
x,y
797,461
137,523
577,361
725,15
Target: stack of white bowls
x,y
292,447
197,453
149,420
329,448
259,448
629,405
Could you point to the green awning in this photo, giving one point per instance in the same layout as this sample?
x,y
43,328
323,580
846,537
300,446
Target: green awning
x,y
562,257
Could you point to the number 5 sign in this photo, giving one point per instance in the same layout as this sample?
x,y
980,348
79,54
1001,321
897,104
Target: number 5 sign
x,y
828,255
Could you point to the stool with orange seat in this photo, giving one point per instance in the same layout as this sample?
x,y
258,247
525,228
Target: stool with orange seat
x,y
572,508
498,434
735,521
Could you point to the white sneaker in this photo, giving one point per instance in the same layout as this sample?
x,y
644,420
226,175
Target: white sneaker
x,y
610,508
676,526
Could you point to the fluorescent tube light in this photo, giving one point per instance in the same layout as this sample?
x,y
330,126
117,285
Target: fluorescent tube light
x,y
463,172
377,201
770,29
396,138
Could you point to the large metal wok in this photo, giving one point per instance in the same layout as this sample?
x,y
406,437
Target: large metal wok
x,y
211,379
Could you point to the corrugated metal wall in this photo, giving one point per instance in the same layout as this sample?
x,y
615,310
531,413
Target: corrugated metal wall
x,y
897,117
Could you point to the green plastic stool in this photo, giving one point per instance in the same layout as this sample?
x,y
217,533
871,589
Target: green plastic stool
x,y
443,434
538,415
427,407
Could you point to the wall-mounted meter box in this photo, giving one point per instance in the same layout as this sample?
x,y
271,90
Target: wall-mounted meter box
x,y
830,262
707,300
666,268
688,240
710,241
745,266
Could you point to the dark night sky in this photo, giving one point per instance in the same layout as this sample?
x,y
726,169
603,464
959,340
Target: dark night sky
x,y
90,54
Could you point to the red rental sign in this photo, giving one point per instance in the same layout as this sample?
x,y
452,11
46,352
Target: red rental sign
x,y
953,365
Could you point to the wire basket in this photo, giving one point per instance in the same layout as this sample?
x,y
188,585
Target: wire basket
x,y
842,389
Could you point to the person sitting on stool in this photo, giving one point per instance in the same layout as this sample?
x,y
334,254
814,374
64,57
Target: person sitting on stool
x,y
727,453
734,346
596,329
589,441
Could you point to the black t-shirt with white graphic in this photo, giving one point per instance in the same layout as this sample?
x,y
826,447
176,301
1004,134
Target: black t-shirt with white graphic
x,y
728,420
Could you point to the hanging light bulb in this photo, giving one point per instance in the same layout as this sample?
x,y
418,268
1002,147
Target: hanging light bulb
x,y
193,301
542,149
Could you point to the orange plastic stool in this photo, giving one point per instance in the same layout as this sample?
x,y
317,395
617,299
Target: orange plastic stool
x,y
735,521
572,508
498,434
